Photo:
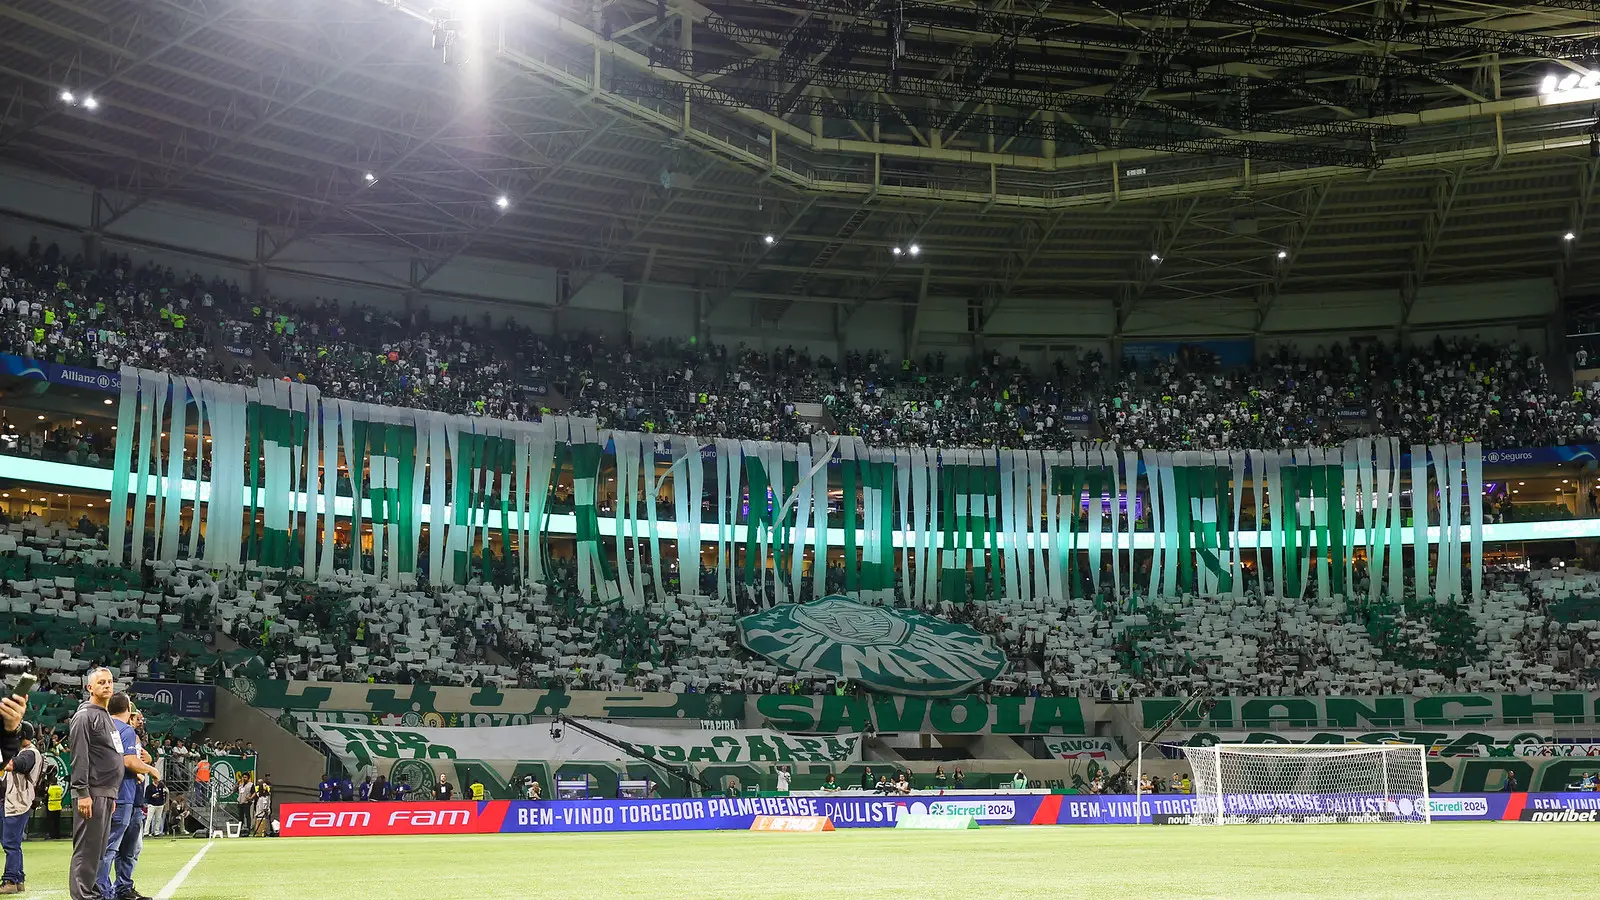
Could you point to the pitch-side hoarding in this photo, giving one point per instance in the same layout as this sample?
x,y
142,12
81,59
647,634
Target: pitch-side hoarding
x,y
864,811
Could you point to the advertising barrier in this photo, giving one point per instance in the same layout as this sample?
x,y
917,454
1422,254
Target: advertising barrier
x,y
196,701
56,373
872,811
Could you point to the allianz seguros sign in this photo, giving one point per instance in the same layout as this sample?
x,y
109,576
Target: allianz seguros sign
x,y
1439,711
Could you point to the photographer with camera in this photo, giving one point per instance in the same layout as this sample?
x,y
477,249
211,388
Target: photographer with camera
x,y
21,782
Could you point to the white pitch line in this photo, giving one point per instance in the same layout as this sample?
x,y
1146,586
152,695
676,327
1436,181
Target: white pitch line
x,y
183,873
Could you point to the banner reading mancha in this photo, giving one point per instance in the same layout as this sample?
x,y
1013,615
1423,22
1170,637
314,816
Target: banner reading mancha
x,y
1356,712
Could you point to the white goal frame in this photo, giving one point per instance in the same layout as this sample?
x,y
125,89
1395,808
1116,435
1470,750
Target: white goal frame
x,y
1397,776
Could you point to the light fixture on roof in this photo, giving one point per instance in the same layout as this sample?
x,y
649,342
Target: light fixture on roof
x,y
1556,84
1155,257
769,240
108,401
896,251
503,201
41,417
915,249
66,97
90,103
369,178
1569,236
1283,254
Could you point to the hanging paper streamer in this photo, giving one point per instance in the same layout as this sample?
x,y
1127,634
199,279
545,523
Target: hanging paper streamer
x,y
278,476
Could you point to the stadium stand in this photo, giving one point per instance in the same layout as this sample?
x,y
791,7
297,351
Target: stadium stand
x,y
119,314
1532,631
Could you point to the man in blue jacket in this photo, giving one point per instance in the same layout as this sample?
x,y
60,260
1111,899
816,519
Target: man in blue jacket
x,y
122,847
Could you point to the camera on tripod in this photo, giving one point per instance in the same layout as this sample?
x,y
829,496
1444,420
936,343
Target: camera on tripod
x,y
20,667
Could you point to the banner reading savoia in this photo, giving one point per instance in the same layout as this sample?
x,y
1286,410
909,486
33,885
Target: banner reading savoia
x,y
970,714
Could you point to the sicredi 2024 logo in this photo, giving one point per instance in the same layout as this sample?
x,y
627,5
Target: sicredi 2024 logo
x,y
983,810
1458,807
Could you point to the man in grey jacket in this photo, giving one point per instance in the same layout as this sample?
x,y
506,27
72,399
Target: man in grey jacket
x,y
97,767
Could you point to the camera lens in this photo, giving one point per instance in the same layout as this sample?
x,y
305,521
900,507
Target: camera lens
x,y
10,665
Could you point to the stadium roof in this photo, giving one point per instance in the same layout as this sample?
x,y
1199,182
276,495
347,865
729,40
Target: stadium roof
x,y
1134,152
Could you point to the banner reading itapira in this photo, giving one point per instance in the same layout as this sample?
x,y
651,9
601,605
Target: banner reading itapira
x,y
486,706
419,755
938,524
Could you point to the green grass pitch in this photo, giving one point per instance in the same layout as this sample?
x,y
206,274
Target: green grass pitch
x,y
1456,860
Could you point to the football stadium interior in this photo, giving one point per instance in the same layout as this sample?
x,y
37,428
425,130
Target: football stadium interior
x,y
697,448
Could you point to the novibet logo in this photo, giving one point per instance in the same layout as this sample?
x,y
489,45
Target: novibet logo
x,y
1561,815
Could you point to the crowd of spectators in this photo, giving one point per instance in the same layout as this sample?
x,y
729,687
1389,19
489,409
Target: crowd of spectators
x,y
1532,630
58,309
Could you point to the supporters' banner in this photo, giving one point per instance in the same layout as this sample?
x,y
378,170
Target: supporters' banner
x,y
955,715
1350,713
1083,748
422,705
283,470
226,770
1439,743
1551,748
898,651
738,813
1230,353
394,751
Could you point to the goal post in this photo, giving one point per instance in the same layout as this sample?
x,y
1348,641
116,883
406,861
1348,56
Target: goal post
x,y
1309,783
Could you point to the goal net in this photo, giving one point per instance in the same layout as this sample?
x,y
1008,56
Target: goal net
x,y
1246,783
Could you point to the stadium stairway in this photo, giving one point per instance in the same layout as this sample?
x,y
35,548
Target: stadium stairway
x,y
296,767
